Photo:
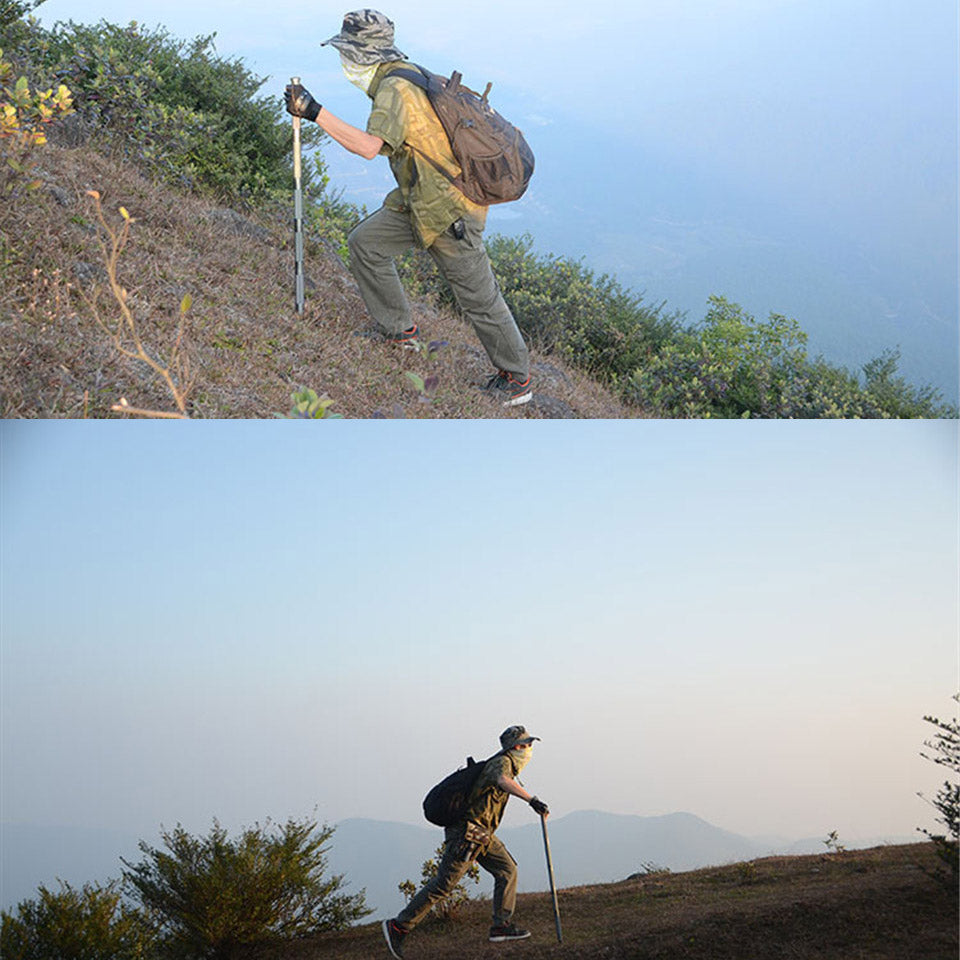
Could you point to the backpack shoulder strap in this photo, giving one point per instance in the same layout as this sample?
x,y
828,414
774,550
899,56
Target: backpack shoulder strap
x,y
417,76
421,78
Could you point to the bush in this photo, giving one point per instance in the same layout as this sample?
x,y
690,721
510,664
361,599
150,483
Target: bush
x,y
898,398
23,112
449,907
728,366
945,747
210,895
175,106
87,924
561,306
24,116
185,115
731,365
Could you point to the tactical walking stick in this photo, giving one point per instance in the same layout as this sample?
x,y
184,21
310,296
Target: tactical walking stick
x,y
553,887
297,209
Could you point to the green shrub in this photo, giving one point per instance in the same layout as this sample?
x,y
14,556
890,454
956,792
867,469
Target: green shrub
x,y
87,924
731,365
24,112
728,366
561,306
24,117
895,396
176,106
820,390
210,895
185,115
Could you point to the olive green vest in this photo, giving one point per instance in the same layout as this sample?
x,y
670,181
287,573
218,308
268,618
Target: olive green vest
x,y
487,801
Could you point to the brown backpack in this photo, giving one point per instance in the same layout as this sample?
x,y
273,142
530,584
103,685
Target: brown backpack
x,y
496,162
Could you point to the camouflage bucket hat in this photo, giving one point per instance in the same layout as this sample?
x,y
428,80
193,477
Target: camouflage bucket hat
x,y
514,735
366,37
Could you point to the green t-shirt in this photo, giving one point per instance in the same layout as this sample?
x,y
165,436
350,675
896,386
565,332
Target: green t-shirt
x,y
403,118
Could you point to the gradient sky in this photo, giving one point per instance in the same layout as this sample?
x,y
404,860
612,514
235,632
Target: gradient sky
x,y
746,621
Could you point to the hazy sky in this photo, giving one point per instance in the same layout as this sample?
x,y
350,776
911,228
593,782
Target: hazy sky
x,y
746,621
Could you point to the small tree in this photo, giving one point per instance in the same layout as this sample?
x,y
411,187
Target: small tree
x,y
945,747
210,895
75,925
450,905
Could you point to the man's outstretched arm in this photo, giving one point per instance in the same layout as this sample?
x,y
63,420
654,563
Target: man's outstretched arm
x,y
514,789
352,138
300,103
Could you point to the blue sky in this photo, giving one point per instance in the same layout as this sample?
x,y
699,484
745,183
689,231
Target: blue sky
x,y
742,620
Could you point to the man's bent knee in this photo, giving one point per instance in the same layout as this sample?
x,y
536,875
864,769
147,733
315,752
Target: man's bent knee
x,y
355,242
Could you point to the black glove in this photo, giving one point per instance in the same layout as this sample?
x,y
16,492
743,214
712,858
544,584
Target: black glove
x,y
539,806
300,103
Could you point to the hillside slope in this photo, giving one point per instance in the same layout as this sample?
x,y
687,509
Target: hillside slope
x,y
247,350
877,904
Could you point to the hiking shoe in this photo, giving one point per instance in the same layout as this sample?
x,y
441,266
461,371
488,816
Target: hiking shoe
x,y
512,392
509,932
407,339
394,937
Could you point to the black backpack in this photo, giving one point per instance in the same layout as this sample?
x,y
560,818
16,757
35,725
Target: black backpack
x,y
446,803
496,162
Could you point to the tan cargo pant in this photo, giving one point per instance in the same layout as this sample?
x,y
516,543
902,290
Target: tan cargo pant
x,y
496,861
384,235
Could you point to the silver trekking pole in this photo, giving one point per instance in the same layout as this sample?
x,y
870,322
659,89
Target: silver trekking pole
x,y
297,209
553,886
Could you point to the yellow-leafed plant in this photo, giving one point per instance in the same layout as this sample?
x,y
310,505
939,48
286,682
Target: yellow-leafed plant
x,y
24,115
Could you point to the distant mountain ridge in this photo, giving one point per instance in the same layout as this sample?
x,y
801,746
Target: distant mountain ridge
x,y
587,846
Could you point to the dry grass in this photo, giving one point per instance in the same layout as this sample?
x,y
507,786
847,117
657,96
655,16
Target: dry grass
x,y
246,349
877,904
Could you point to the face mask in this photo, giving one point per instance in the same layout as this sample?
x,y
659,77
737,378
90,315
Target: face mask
x,y
359,74
521,757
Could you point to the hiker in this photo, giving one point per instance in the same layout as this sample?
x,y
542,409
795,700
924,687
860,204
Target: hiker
x,y
425,210
473,838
